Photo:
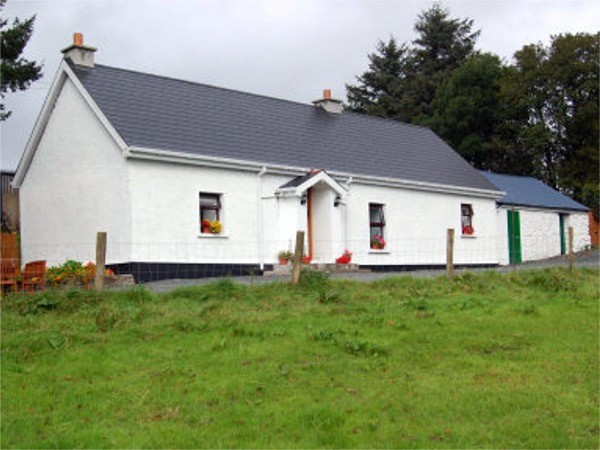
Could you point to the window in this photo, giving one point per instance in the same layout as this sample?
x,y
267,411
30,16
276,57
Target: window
x,y
210,212
466,219
376,226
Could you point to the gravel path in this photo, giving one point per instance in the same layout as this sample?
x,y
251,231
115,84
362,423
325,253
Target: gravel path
x,y
590,258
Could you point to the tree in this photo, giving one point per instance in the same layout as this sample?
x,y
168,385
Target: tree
x,y
443,43
558,86
381,87
16,73
466,109
573,70
591,197
402,81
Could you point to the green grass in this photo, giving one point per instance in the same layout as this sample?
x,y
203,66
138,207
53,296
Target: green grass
x,y
484,360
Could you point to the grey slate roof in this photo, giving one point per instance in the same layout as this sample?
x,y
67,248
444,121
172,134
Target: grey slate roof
x,y
527,191
297,181
181,116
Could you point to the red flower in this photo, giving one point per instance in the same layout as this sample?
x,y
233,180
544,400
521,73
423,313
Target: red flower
x,y
377,242
345,258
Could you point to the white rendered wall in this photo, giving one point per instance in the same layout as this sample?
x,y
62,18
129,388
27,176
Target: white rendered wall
x,y
580,221
77,185
166,217
416,224
328,242
540,233
290,216
502,236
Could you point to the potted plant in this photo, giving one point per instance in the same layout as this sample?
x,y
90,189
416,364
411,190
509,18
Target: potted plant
x,y
205,226
468,230
284,256
377,242
216,227
345,258
306,259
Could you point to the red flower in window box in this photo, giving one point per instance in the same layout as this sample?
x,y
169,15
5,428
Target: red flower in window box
x,y
377,242
205,224
345,258
468,230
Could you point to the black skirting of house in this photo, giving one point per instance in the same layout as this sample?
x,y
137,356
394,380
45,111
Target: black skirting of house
x,y
144,272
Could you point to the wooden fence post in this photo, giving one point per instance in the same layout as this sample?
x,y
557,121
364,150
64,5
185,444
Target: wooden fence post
x,y
297,259
100,260
571,248
450,252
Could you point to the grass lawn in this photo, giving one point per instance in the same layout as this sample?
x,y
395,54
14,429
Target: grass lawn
x,y
487,360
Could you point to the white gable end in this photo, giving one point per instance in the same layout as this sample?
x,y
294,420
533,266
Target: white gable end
x,y
76,184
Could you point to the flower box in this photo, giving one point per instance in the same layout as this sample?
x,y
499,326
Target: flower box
x,y
468,230
377,242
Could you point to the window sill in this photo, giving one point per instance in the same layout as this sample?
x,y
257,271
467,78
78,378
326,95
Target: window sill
x,y
373,251
212,236
468,236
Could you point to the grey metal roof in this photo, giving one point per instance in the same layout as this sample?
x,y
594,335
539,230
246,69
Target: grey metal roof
x,y
163,113
527,191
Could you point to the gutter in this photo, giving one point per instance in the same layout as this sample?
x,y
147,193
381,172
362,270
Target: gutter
x,y
538,208
278,169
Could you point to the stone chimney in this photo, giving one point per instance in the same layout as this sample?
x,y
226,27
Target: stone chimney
x,y
79,53
329,104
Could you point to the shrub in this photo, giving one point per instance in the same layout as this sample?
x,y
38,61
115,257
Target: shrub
x,y
73,273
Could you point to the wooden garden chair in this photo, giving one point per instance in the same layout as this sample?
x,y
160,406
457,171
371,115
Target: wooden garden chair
x,y
9,274
34,276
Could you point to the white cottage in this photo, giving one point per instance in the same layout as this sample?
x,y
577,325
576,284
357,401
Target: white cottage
x,y
148,158
533,220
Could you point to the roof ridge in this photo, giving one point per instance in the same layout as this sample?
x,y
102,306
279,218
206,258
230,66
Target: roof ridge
x,y
198,83
269,97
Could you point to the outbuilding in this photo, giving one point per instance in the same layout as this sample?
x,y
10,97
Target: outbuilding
x,y
533,220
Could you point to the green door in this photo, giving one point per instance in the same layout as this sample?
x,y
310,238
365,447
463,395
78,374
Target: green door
x,y
514,237
563,244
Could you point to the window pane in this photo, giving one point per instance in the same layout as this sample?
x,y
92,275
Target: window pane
x,y
466,213
376,230
211,201
208,214
375,213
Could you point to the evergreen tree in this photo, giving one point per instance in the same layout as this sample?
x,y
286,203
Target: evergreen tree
x,y
443,43
402,81
16,73
381,87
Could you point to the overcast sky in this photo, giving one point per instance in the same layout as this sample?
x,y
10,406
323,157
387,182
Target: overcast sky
x,y
285,49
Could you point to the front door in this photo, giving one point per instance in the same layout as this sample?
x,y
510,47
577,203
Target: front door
x,y
561,227
514,237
